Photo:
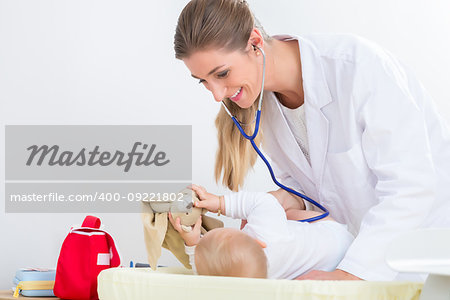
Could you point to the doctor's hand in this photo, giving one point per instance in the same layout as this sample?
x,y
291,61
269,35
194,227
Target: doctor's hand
x,y
322,275
208,201
192,237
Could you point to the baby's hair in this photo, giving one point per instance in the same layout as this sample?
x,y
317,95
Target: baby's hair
x,y
230,252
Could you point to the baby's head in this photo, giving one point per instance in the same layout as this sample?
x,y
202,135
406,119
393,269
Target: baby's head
x,y
230,252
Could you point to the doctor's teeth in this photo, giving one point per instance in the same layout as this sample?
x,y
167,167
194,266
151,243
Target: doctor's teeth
x,y
235,94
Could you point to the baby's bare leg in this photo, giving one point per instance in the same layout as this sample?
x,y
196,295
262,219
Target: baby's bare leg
x,y
297,214
294,206
287,200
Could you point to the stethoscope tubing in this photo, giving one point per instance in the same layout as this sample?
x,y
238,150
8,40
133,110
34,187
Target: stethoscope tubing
x,y
252,140
252,137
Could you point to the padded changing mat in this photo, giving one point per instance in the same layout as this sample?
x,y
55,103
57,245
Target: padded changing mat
x,y
179,283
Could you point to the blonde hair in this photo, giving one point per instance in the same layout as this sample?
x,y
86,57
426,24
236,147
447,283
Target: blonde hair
x,y
223,24
230,252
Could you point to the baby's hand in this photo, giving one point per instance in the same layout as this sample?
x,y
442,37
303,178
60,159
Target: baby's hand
x,y
190,238
208,201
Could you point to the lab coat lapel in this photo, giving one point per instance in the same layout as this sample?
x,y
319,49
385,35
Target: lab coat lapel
x,y
317,95
282,147
317,126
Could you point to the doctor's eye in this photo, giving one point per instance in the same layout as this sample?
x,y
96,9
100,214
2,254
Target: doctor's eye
x,y
201,81
223,74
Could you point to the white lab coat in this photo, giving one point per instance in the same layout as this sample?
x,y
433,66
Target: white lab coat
x,y
380,153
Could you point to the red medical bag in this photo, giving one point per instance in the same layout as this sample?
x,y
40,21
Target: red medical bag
x,y
85,252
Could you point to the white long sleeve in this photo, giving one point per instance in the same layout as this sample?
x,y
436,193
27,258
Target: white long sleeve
x,y
190,251
266,219
395,145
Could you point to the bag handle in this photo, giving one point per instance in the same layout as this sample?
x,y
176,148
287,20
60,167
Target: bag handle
x,y
91,222
94,222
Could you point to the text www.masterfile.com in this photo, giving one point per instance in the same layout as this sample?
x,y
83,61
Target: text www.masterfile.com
x,y
97,196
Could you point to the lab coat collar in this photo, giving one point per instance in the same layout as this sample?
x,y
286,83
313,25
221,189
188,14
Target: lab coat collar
x,y
314,82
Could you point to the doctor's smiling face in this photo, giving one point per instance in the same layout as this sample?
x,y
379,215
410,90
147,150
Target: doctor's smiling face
x,y
229,74
214,39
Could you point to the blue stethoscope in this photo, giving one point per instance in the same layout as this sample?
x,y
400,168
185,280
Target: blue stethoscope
x,y
252,137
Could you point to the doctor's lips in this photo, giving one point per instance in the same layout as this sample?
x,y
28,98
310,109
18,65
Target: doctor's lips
x,y
237,95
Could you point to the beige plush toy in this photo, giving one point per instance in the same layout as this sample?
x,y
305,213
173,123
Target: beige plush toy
x,y
159,232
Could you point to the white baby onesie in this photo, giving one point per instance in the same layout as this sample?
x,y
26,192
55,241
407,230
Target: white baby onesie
x,y
293,248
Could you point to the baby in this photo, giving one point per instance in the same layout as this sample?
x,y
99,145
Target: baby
x,y
269,245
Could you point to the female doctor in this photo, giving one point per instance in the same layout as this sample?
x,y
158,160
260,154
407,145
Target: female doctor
x,y
342,122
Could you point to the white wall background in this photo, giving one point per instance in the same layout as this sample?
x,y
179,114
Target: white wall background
x,y
112,62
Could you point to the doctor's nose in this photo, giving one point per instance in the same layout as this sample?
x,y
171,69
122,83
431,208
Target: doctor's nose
x,y
218,92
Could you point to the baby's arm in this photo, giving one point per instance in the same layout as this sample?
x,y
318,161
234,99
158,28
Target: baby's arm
x,y
238,205
294,206
211,202
259,209
190,238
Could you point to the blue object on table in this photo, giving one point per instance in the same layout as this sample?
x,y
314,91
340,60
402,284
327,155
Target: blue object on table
x,y
32,277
